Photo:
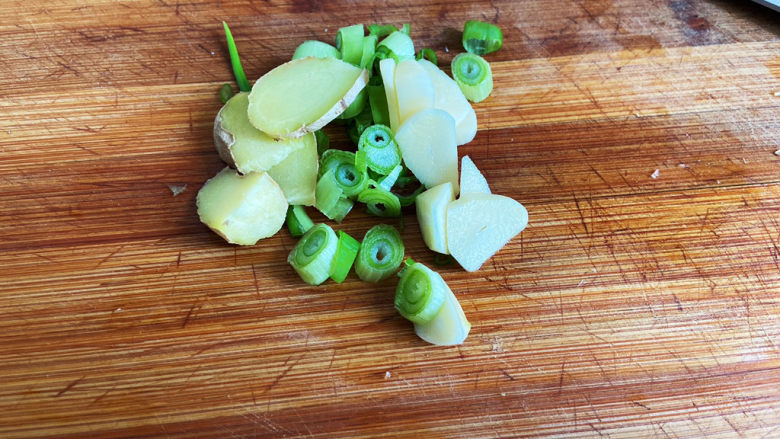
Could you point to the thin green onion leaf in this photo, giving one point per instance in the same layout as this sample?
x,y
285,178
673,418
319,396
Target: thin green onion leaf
x,y
380,202
351,180
378,101
238,71
381,30
358,124
382,152
398,45
298,222
312,257
473,75
408,200
317,49
388,181
346,253
356,106
323,141
369,48
380,254
420,294
481,38
349,41
327,193
429,54
225,93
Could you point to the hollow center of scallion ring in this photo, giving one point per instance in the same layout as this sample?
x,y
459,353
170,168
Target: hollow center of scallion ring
x,y
381,252
346,174
314,242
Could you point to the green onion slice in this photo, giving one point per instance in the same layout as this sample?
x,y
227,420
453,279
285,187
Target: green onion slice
x,y
429,54
356,106
323,141
350,180
226,92
406,28
346,252
380,253
473,75
397,45
481,38
381,30
341,209
349,41
420,294
408,200
369,48
313,256
381,202
358,124
377,99
382,151
317,49
238,71
327,193
389,180
298,222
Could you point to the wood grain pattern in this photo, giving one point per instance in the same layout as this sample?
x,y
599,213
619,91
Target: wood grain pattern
x,y
632,306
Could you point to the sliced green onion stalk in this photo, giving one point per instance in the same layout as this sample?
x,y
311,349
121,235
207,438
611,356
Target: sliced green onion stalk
x,y
377,99
361,164
382,151
429,54
323,141
349,41
317,49
369,48
406,28
358,125
327,194
298,222
409,199
356,106
350,180
481,38
380,253
424,298
473,75
381,30
389,180
313,256
235,61
226,92
398,45
420,293
346,252
381,202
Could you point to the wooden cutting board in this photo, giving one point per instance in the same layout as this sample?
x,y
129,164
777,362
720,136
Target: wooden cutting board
x,y
642,300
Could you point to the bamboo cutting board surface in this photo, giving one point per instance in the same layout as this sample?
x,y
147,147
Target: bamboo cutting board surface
x,y
636,303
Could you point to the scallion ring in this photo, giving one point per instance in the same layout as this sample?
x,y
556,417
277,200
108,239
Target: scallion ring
x,y
381,202
349,41
346,252
382,152
473,75
342,163
429,54
399,45
380,253
313,256
481,38
420,294
298,222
